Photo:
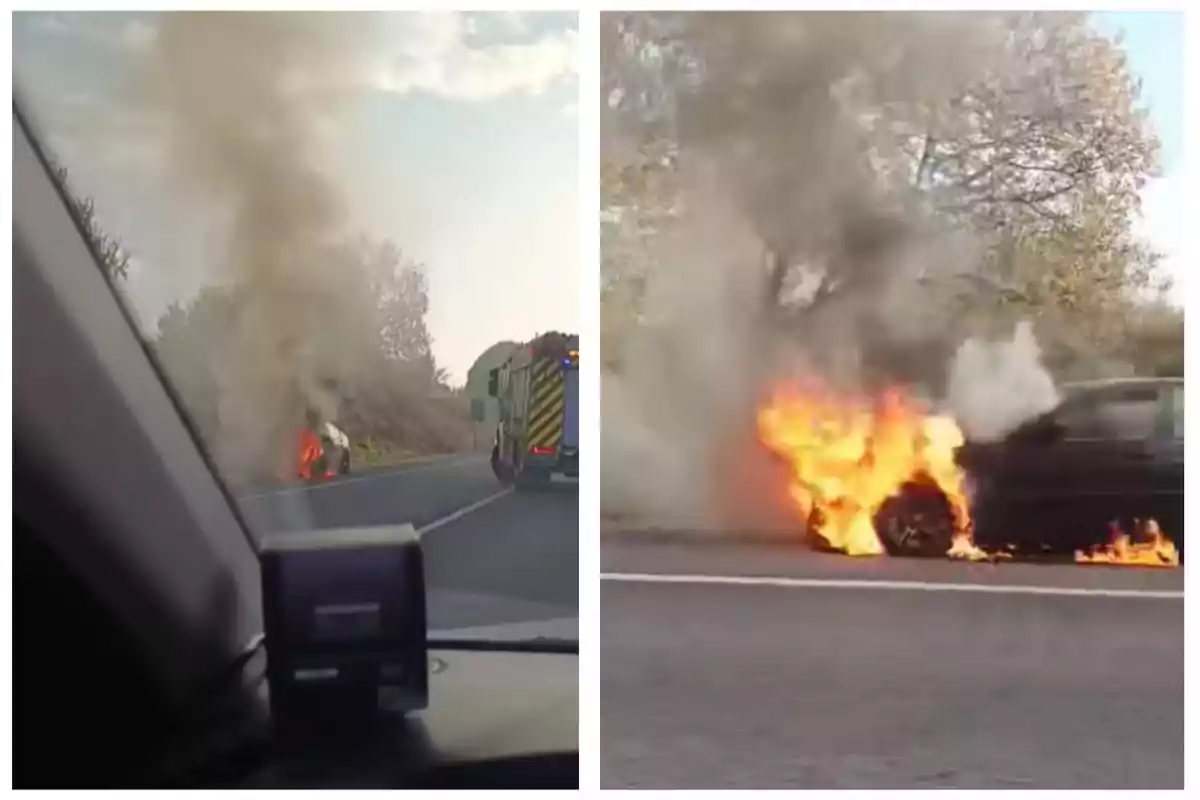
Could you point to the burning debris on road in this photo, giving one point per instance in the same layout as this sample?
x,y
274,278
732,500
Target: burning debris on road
x,y
1152,548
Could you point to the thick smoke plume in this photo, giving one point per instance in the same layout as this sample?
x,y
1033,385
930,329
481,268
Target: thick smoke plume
x,y
241,100
797,254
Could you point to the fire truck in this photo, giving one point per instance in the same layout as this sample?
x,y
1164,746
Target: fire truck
x,y
537,389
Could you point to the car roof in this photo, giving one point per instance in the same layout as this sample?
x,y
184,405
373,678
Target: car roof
x,y
1110,389
1103,384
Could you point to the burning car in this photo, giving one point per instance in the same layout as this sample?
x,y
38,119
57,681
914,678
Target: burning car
x,y
1106,464
335,446
323,450
1100,474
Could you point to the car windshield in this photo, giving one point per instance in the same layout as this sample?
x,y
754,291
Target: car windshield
x,y
329,229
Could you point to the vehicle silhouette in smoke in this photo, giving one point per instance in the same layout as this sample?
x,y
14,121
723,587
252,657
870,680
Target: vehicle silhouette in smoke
x,y
1111,452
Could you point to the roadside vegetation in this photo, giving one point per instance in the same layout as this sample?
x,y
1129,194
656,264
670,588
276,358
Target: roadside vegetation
x,y
390,396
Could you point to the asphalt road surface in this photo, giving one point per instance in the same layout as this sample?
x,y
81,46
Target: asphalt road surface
x,y
774,667
491,556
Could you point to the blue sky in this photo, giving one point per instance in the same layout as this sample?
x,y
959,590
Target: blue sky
x,y
1154,43
462,148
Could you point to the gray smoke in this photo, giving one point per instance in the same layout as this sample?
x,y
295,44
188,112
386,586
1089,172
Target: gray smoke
x,y
778,165
240,100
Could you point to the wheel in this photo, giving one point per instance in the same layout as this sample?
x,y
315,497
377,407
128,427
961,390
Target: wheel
x,y
916,522
501,470
344,466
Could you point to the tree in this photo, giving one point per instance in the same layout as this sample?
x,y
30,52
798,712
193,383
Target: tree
x,y
367,359
845,138
399,293
111,255
193,344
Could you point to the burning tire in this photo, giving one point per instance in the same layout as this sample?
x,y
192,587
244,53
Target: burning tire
x,y
916,522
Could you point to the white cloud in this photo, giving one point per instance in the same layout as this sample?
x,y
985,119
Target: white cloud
x,y
136,35
470,57
440,54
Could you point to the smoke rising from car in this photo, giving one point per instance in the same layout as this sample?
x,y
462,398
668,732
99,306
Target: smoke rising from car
x,y
774,168
241,100
995,386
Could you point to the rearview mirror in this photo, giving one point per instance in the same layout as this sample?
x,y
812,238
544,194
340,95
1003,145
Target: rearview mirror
x,y
493,382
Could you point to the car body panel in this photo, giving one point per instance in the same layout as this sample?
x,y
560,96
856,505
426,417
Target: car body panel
x,y
1111,451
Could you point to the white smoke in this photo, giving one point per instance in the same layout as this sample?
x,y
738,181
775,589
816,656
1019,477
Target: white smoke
x,y
994,386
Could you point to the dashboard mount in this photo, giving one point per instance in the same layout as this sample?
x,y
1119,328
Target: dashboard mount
x,y
345,631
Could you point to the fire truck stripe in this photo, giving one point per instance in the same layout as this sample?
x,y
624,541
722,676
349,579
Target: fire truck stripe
x,y
549,426
543,375
539,369
545,409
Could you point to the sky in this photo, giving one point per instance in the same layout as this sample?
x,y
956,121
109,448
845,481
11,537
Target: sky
x,y
1153,42
461,146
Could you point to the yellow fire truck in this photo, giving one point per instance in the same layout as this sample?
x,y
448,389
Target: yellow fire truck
x,y
537,388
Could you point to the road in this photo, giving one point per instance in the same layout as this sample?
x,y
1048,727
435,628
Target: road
x,y
773,667
491,556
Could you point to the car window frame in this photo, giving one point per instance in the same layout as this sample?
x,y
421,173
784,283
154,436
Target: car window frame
x,y
1095,400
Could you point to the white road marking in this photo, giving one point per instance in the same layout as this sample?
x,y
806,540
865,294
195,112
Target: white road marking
x,y
911,586
462,512
419,465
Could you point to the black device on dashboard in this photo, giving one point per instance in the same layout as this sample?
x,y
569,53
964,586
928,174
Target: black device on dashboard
x,y
344,619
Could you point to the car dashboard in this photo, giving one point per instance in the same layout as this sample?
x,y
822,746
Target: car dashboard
x,y
495,720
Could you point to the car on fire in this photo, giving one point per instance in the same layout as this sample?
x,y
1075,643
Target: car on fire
x,y
335,448
323,450
1111,452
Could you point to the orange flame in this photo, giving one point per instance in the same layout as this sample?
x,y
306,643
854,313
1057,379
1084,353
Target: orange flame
x,y
1154,549
847,456
309,450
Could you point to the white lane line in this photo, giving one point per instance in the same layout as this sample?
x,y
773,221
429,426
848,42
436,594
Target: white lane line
x,y
462,512
911,586
417,466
